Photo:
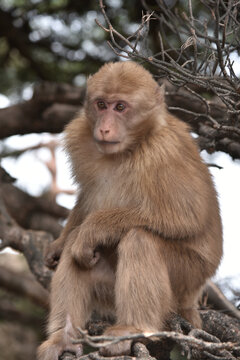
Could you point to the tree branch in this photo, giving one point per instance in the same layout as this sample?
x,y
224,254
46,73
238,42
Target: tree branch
x,y
50,109
194,343
24,285
32,244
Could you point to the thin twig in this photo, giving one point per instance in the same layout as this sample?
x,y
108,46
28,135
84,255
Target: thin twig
x,y
198,58
102,341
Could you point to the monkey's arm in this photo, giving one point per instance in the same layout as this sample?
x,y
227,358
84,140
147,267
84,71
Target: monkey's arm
x,y
107,227
101,228
55,249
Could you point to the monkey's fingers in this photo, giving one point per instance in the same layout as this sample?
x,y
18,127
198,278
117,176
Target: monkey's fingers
x,y
95,259
53,253
86,257
52,259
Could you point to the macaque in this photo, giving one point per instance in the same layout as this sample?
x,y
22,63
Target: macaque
x,y
145,233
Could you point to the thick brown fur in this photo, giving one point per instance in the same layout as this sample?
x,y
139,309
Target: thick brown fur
x,y
145,233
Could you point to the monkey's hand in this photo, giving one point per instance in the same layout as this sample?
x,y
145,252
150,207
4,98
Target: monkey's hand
x,y
83,251
53,253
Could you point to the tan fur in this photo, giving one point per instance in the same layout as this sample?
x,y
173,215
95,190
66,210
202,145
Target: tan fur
x,y
147,231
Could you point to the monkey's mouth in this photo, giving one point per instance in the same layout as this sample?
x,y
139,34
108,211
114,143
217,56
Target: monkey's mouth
x,y
108,147
104,142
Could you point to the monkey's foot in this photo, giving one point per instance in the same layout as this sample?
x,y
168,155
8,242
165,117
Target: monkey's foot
x,y
53,352
56,345
123,347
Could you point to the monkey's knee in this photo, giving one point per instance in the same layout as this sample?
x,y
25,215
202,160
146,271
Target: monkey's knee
x,y
140,251
138,242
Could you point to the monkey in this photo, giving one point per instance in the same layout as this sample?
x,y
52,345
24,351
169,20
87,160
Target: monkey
x,y
145,233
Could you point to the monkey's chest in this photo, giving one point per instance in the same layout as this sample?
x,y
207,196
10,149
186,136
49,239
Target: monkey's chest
x,y
109,192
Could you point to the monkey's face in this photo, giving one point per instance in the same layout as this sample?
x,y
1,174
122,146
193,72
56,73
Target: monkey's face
x,y
110,124
123,102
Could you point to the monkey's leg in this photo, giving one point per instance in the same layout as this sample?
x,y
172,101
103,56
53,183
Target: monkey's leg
x,y
71,307
143,295
188,271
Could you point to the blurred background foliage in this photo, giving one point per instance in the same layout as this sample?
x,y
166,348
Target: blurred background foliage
x,y
56,40
60,41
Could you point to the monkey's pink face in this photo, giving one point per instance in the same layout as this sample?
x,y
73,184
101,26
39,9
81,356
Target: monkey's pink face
x,y
110,128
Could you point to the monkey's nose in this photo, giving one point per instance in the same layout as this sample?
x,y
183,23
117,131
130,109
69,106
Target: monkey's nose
x,y
104,131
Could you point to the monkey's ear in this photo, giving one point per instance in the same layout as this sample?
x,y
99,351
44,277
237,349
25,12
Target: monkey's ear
x,y
88,84
89,79
160,92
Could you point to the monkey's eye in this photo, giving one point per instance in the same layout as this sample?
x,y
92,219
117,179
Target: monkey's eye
x,y
101,105
120,107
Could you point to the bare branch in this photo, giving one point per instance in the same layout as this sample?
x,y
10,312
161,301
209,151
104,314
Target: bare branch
x,y
50,109
203,60
102,341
